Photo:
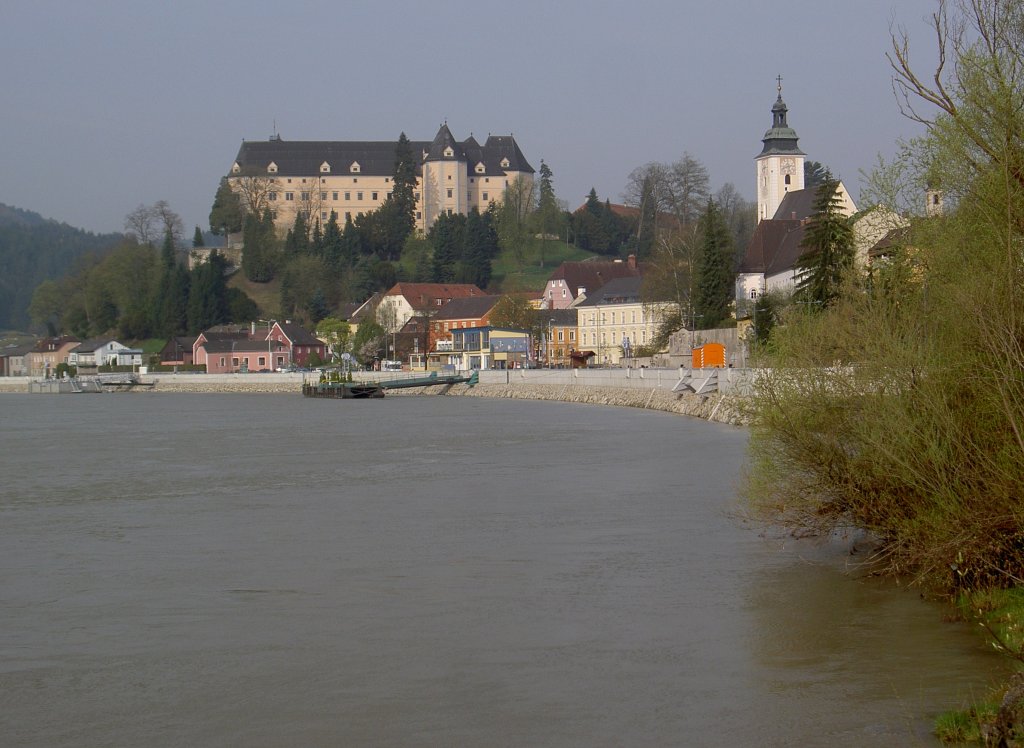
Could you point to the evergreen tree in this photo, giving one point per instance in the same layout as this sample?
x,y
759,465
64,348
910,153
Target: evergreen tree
x,y
827,248
259,255
226,215
716,284
475,265
332,245
207,298
447,236
317,307
197,238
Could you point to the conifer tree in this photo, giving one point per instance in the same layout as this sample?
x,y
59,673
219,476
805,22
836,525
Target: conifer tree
x,y
716,282
827,248
197,238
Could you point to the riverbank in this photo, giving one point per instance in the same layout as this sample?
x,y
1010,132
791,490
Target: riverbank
x,y
653,392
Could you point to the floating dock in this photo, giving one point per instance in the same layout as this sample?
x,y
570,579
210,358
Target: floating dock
x,y
365,390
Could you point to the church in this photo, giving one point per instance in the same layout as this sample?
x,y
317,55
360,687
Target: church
x,y
350,178
783,208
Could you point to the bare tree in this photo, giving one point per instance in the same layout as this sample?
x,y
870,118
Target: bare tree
x,y
688,187
255,192
141,223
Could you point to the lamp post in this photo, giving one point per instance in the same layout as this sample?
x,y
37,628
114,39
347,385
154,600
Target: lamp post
x,y
550,341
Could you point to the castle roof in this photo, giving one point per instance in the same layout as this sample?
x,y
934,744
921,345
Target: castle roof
x,y
304,158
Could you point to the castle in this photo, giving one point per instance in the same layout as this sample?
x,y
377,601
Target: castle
x,y
350,178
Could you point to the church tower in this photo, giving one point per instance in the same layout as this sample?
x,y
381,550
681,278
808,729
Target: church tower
x,y
780,165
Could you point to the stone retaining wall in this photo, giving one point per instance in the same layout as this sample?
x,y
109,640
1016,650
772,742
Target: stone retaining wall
x,y
716,407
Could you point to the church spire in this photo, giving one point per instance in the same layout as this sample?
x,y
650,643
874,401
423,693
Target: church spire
x,y
780,138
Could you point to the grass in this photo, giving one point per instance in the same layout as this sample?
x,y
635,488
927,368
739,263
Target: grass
x,y
1000,612
266,295
539,258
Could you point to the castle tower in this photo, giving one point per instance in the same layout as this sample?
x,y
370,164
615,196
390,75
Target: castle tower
x,y
780,165
445,180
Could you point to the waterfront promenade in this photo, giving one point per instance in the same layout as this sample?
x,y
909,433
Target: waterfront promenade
x,y
639,388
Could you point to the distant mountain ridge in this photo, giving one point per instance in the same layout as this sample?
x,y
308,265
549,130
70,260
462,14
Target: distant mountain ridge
x,y
34,249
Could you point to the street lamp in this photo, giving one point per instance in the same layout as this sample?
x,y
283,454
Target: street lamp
x,y
550,341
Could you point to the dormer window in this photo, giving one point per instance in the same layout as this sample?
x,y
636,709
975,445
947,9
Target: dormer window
x,y
504,163
235,168
325,168
354,168
480,168
271,168
448,152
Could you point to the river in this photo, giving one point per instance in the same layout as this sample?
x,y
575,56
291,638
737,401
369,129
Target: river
x,y
265,570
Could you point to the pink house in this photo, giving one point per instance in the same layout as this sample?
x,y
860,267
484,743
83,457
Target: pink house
x,y
244,354
300,342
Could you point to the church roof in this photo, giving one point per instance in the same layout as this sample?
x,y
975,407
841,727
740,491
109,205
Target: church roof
x,y
774,247
798,204
780,138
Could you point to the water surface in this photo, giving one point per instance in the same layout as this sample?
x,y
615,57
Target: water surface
x,y
265,570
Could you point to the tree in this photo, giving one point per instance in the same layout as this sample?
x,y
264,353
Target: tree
x,y
337,333
815,174
197,238
141,224
827,248
516,312
368,342
517,202
447,237
254,193
548,217
259,255
671,275
716,287
208,297
480,243
227,214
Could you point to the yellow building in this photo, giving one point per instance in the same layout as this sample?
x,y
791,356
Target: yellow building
x,y
613,322
350,178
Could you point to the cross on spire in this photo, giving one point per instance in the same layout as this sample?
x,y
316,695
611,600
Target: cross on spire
x,y
779,79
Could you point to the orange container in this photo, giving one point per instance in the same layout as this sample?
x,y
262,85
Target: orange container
x,y
708,356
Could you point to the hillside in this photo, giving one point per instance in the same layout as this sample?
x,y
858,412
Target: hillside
x,y
34,249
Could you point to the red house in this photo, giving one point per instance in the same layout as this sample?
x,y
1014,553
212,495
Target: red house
x,y
299,341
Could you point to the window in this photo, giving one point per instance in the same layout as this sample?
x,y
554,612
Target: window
x,y
348,215
634,316
563,293
386,180
485,196
419,215
572,336
323,215
787,179
373,195
561,335
416,195
323,195
449,193
348,196
234,362
222,361
334,196
263,361
289,196
305,197
753,293
450,211
271,196
359,196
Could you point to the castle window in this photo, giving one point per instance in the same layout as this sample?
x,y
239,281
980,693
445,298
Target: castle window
x,y
348,216
485,196
419,215
335,196
355,180
449,177
323,195
448,152
416,196
787,179
325,168
386,180
487,180
235,168
348,196
480,169
272,196
289,196
305,197
449,193
373,195
359,196
323,215
354,168
504,163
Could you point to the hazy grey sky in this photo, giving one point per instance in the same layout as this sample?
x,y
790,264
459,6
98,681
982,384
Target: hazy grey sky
x,y
111,103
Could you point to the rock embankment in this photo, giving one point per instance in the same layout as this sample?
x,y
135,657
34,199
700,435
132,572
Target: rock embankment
x,y
717,407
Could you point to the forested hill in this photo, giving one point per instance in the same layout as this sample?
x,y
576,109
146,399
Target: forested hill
x,y
34,249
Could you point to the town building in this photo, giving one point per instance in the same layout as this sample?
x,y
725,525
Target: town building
x,y
571,281
48,353
403,301
614,322
350,178
482,348
91,354
560,339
